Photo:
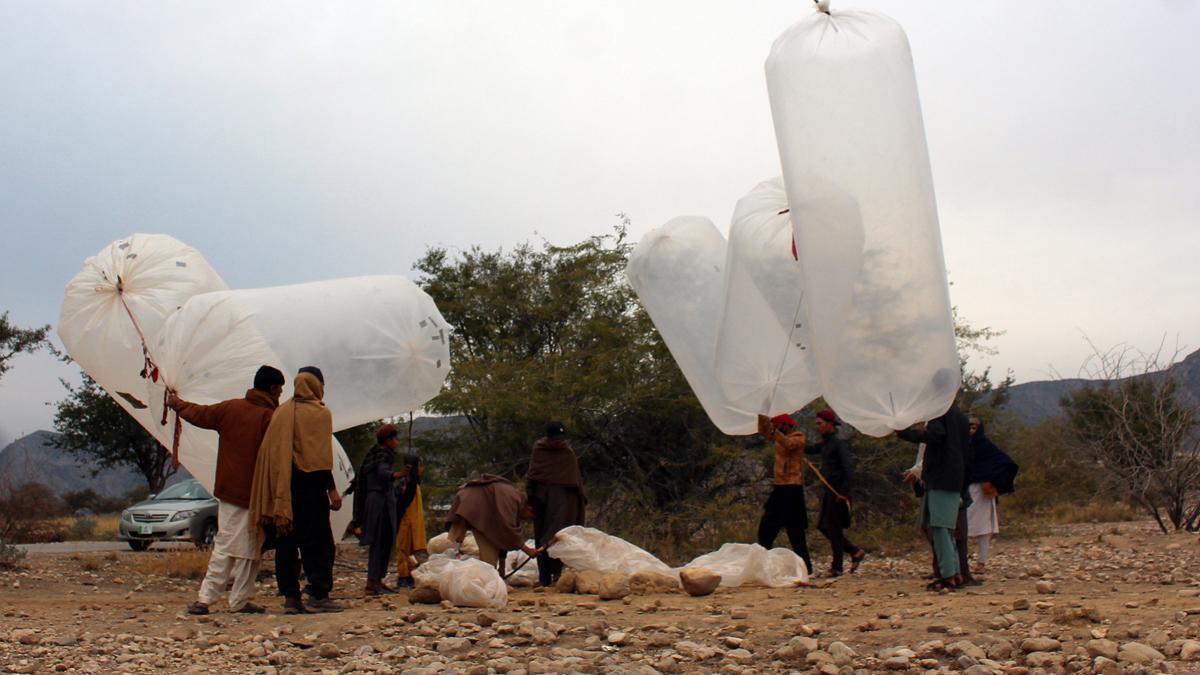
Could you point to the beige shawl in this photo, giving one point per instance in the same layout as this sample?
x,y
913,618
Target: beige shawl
x,y
300,433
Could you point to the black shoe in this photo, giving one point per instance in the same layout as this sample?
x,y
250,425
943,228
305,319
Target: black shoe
x,y
856,560
251,608
405,582
294,606
197,608
324,605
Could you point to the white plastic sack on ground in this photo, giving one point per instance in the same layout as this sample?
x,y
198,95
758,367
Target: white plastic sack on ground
x,y
153,275
751,564
585,548
380,342
441,543
676,271
763,363
852,144
527,575
466,583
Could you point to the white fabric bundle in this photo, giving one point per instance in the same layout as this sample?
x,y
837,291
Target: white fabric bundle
x,y
762,358
380,342
852,145
676,271
130,285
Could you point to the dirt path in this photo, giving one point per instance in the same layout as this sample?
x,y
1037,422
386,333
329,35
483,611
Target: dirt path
x,y
1114,598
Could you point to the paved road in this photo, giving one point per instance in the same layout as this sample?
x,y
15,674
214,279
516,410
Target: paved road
x,y
95,546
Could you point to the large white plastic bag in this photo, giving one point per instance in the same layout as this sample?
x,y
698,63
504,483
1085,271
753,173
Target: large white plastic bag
x,y
763,363
751,564
676,271
852,143
441,544
527,575
380,341
467,582
154,274
585,548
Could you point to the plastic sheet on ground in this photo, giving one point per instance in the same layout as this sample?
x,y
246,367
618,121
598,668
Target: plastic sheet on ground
x,y
466,582
527,575
751,564
441,543
585,548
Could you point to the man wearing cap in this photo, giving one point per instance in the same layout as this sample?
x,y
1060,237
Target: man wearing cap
x,y
555,489
375,503
240,424
294,492
785,507
837,469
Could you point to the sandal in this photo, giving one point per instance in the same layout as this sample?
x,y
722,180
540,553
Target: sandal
x,y
944,584
856,560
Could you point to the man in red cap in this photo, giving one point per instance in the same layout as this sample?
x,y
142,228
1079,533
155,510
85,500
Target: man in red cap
x,y
378,505
785,507
837,470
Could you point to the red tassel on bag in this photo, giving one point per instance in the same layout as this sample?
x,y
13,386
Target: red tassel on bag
x,y
175,442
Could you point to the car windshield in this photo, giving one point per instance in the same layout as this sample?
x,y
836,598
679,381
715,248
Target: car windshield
x,y
189,489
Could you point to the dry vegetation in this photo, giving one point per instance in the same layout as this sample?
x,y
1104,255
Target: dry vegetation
x,y
181,564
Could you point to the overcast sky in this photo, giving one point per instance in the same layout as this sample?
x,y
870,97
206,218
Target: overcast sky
x,y
294,141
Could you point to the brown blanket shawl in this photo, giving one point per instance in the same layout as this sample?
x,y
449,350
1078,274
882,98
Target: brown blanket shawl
x,y
300,434
553,462
492,506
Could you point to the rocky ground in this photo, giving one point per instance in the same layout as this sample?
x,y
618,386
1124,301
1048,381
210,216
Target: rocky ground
x,y
1095,598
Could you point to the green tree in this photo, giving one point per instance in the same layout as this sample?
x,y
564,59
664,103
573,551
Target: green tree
x,y
1132,419
979,394
15,340
555,333
102,435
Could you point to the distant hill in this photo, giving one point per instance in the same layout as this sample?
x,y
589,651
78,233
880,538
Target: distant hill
x,y
36,458
1033,402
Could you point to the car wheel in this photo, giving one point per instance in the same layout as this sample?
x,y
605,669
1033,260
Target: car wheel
x,y
138,545
207,535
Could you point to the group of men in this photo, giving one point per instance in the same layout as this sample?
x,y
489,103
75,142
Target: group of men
x,y
493,507
275,489
785,508
958,474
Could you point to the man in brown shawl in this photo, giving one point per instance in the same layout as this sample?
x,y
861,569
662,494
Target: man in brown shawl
x,y
294,491
555,489
493,508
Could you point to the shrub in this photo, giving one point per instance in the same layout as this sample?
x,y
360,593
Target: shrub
x,y
81,529
10,556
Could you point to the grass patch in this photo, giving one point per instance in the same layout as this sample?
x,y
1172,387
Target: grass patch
x,y
187,564
104,527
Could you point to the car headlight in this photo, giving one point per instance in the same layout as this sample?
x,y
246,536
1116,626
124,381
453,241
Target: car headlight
x,y
127,516
182,515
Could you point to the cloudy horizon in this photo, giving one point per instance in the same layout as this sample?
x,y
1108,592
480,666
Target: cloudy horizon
x,y
325,140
